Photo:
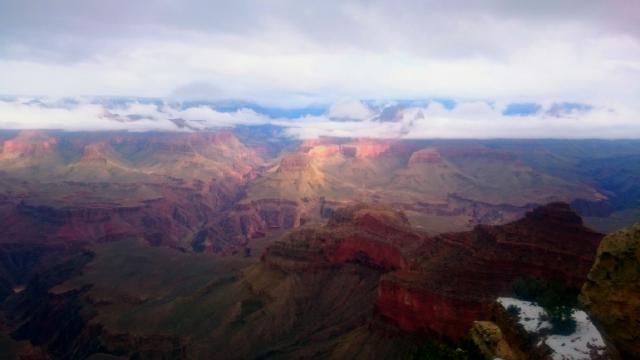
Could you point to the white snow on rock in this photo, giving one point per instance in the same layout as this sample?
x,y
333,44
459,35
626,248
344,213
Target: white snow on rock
x,y
580,345
530,314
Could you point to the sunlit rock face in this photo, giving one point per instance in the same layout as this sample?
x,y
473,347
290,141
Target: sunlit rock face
x,y
29,143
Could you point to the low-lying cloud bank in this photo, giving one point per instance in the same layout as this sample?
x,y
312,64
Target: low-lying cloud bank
x,y
429,119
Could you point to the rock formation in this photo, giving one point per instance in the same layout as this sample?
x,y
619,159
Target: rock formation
x,y
453,278
612,292
440,285
376,237
29,143
163,187
520,330
491,341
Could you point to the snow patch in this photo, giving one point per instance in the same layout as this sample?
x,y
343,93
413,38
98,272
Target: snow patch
x,y
531,314
581,345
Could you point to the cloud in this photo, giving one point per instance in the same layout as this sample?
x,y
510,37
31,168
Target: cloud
x,y
24,115
468,119
291,53
479,119
87,115
350,110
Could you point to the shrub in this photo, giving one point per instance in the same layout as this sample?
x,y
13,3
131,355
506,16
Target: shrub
x,y
561,319
556,299
556,294
528,288
513,310
547,294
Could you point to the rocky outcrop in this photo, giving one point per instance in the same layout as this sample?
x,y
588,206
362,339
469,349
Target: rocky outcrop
x,y
611,293
441,285
294,162
364,148
522,344
404,303
323,151
163,187
368,149
29,143
177,212
59,324
251,219
96,152
491,341
426,156
453,278
375,237
525,328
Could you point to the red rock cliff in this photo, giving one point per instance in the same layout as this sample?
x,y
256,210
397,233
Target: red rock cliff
x,y
376,237
452,280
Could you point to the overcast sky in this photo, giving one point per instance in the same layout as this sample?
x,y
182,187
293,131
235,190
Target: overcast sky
x,y
292,53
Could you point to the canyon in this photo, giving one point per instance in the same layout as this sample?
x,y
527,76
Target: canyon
x,y
213,191
182,244
354,286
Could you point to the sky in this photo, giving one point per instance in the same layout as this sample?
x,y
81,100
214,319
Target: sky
x,y
512,68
